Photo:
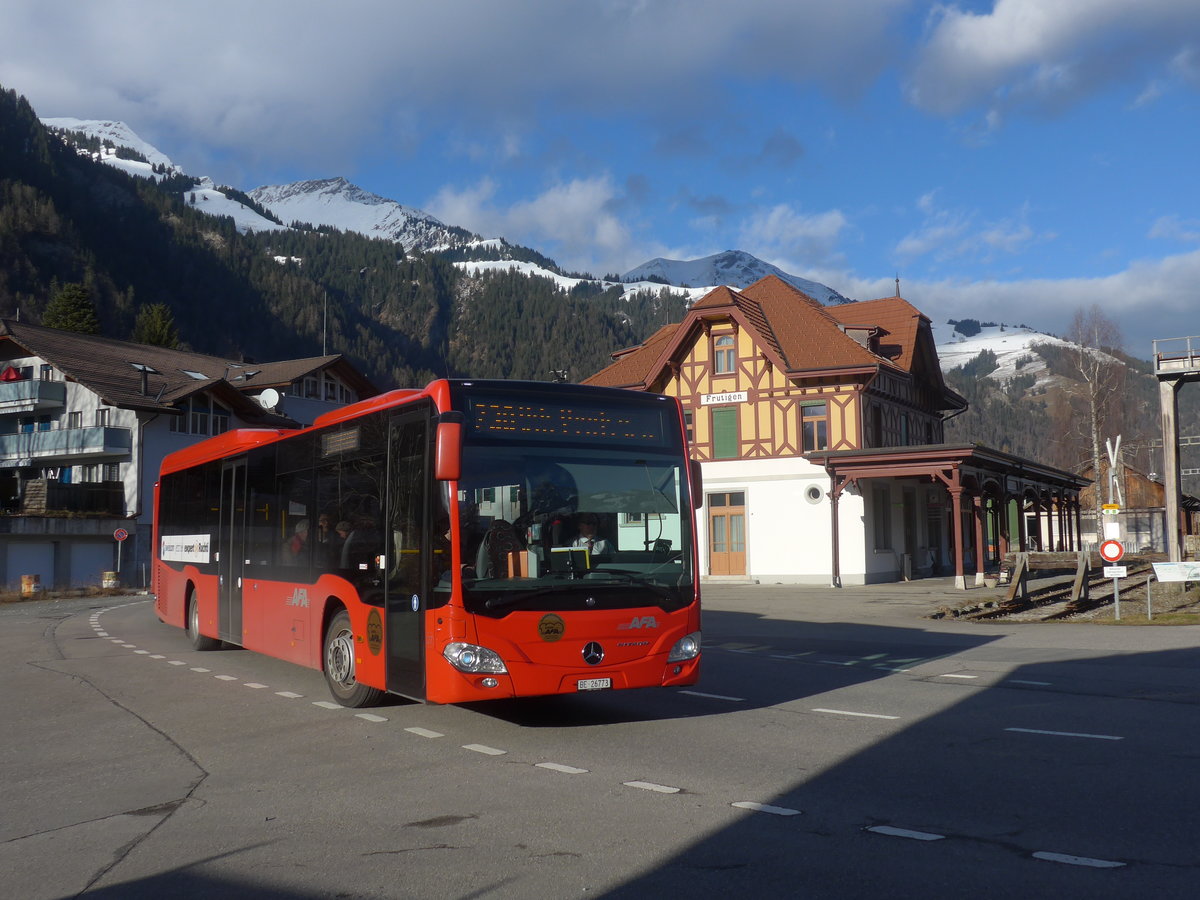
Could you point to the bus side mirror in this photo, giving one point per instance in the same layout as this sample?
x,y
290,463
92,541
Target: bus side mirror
x,y
697,480
447,451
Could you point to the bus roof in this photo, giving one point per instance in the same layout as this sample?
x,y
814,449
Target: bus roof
x,y
241,439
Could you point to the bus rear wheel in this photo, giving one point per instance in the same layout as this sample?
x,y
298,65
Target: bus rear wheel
x,y
192,626
339,666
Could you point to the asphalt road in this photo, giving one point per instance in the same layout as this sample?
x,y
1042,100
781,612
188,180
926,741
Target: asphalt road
x,y
839,745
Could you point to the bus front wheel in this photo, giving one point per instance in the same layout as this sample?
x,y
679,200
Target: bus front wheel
x,y
339,666
192,626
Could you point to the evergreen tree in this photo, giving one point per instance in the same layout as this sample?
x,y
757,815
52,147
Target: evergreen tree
x,y
156,325
71,309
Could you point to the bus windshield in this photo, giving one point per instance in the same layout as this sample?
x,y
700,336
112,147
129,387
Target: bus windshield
x,y
590,528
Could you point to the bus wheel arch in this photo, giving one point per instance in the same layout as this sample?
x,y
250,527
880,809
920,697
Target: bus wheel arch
x,y
337,661
191,621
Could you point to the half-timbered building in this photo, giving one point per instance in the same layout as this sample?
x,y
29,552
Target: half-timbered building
x,y
820,434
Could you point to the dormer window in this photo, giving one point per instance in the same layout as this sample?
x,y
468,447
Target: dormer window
x,y
724,355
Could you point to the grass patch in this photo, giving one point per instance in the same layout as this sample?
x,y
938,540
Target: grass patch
x,y
1171,604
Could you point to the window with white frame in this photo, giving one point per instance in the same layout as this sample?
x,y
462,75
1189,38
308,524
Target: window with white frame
x,y
75,419
111,471
724,355
102,416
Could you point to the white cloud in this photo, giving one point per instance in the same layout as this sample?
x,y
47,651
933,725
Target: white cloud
x,y
948,233
781,234
1174,228
1044,55
571,221
1150,300
313,78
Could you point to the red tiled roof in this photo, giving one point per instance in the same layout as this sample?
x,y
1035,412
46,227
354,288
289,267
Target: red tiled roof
x,y
797,331
631,367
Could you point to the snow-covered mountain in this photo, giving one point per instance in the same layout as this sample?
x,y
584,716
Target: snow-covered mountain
x,y
734,268
205,196
119,135
338,203
1011,343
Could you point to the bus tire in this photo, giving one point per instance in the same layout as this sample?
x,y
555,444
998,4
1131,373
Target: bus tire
x,y
192,626
338,658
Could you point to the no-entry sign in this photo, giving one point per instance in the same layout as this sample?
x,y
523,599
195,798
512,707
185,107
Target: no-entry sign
x,y
1112,551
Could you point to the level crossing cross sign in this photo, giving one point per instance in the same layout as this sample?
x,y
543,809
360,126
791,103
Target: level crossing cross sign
x,y
1112,551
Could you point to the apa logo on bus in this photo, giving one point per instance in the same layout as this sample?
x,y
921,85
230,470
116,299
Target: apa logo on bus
x,y
638,622
299,598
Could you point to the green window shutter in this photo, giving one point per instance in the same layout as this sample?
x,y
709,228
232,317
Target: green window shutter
x,y
725,433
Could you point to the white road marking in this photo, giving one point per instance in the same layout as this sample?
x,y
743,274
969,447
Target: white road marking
x,y
370,717
127,646
906,833
425,732
255,685
157,656
199,669
846,712
1023,681
651,786
765,808
838,662
791,655
483,748
1098,737
327,704
1078,860
956,675
559,767
176,662
225,677
291,695
102,634
144,653
714,696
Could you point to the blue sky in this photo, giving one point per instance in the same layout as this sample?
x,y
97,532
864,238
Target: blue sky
x,y
1009,159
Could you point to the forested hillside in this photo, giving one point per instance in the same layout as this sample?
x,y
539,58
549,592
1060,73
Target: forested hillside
x,y
1040,412
401,318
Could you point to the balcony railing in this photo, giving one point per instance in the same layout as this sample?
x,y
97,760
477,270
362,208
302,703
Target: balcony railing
x,y
64,445
29,396
42,497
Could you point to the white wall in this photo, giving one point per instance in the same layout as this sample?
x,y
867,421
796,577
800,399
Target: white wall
x,y
788,538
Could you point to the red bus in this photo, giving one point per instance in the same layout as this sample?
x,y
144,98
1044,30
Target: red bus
x,y
468,541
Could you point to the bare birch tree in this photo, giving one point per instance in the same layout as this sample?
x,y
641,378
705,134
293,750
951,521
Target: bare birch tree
x,y
1098,400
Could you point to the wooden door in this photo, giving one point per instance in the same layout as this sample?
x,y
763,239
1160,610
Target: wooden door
x,y
727,533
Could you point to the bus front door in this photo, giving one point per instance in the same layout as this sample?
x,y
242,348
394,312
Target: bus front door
x,y
408,498
230,544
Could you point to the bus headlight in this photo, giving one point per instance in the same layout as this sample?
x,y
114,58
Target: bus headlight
x,y
472,658
687,647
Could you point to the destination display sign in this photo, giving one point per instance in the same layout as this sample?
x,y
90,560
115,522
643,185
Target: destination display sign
x,y
569,422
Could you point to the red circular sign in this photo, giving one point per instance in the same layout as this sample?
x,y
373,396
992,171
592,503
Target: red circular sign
x,y
120,534
1112,551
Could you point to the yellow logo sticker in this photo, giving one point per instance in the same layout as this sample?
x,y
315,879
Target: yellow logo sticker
x,y
551,627
374,632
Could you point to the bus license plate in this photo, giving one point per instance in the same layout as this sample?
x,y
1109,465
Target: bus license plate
x,y
594,684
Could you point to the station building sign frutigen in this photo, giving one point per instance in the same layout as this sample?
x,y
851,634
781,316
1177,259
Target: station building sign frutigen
x,y
729,397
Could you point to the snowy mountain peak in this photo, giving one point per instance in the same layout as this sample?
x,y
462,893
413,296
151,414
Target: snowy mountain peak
x,y
735,268
117,133
340,204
